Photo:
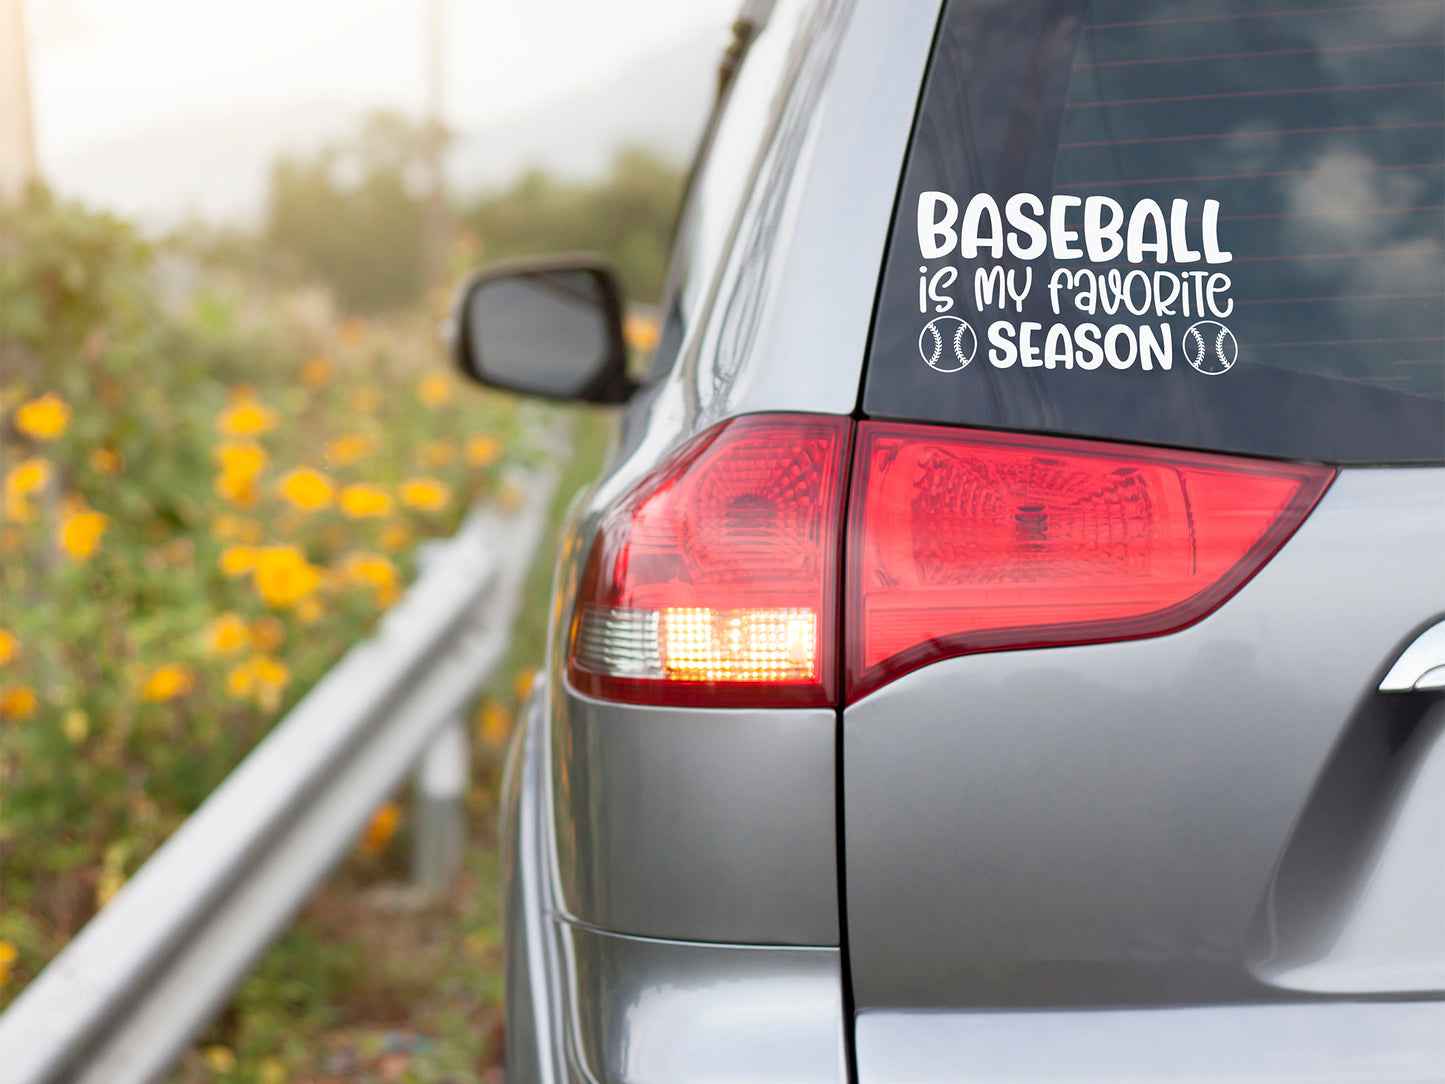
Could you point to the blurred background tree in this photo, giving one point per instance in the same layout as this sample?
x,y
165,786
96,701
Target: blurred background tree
x,y
351,216
627,217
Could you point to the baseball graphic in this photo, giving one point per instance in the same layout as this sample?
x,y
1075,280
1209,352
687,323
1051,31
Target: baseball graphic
x,y
1210,347
947,343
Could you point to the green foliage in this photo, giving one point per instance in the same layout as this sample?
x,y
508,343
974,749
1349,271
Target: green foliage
x,y
152,437
353,215
120,709
628,218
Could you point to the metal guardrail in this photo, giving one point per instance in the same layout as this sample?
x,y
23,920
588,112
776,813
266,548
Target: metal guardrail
x,y
123,1000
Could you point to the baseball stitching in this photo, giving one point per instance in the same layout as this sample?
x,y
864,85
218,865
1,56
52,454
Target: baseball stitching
x,y
958,343
937,344
1219,346
1198,338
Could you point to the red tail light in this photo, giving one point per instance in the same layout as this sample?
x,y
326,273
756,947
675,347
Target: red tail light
x,y
962,541
714,581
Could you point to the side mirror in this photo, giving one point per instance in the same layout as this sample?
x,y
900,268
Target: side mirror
x,y
550,327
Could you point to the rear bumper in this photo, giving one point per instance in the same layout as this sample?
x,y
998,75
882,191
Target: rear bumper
x,y
585,1005
1339,1042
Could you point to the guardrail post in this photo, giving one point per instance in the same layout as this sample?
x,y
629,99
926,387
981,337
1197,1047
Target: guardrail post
x,y
439,792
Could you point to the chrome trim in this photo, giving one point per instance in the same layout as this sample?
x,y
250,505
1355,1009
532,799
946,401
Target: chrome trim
x,y
1421,666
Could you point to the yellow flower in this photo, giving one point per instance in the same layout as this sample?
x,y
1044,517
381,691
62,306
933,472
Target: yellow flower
x,y
246,417
244,458
238,560
365,401
219,1059
80,533
76,725
240,682
373,571
352,331
18,702
345,450
272,677
483,450
437,454
268,633
307,488
45,418
522,681
26,477
495,723
271,1070
270,671
434,389
317,371
107,460
310,610
427,494
363,502
167,683
395,537
18,509
231,527
111,882
382,827
239,489
226,526
8,955
7,645
283,576
640,332
226,635
369,569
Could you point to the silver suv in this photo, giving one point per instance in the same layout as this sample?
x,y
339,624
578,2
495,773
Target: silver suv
x,y
1007,643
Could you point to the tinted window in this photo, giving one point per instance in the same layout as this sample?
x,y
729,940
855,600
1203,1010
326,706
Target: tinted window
x,y
1207,223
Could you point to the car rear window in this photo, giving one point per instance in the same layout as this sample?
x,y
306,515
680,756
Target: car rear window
x,y
1207,224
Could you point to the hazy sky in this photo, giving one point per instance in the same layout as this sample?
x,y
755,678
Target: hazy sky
x,y
105,69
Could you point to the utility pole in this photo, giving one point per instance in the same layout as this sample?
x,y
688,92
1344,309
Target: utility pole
x,y
17,136
437,216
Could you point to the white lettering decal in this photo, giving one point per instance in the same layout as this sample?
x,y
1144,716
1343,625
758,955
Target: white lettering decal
x,y
1059,234
1003,352
1112,235
931,227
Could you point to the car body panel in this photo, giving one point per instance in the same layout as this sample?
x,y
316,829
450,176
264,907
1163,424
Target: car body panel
x,y
595,1007
1332,1043
704,824
1102,824
646,1010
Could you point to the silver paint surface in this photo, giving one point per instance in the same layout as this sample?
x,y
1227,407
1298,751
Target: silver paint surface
x,y
644,1011
1339,1043
702,824
1101,824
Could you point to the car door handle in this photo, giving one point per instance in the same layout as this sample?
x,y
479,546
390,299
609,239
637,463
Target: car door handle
x,y
1421,666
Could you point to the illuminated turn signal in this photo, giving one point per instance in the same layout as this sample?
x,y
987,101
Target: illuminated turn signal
x,y
714,581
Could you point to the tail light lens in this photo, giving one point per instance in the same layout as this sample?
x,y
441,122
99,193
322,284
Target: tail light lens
x,y
962,541
714,581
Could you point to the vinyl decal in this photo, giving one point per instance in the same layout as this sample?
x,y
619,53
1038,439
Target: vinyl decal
x,y
947,343
993,252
